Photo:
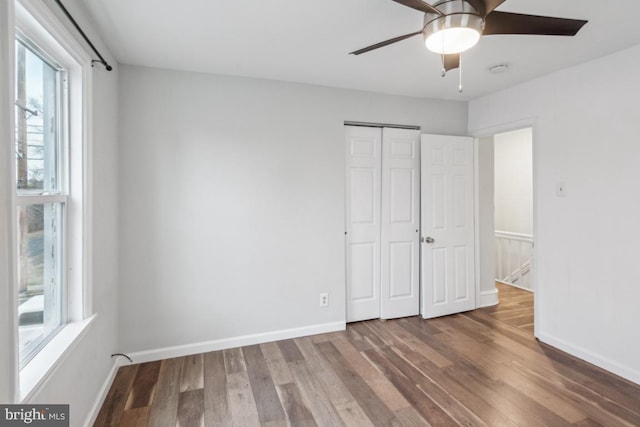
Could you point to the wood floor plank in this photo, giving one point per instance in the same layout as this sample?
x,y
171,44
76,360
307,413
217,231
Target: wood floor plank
x,y
191,374
191,409
595,406
290,351
592,379
116,399
357,340
264,391
526,404
441,397
504,406
492,367
144,385
217,412
296,409
241,401
331,384
368,400
482,367
459,391
427,408
409,417
276,363
164,411
414,342
234,360
353,415
318,401
587,423
374,378
136,417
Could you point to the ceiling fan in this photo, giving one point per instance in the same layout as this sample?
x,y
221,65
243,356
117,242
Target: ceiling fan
x,y
453,26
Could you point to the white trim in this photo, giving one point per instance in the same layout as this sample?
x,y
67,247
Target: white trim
x,y
87,191
224,343
23,200
488,298
102,394
593,358
8,323
490,131
515,236
476,221
38,371
34,12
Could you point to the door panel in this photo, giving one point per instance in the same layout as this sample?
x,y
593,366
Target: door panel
x,y
447,218
363,163
363,255
400,278
400,269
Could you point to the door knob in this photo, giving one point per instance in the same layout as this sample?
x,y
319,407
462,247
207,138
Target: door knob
x,y
428,239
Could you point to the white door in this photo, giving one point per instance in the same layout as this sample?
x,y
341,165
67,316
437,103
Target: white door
x,y
448,250
363,184
400,250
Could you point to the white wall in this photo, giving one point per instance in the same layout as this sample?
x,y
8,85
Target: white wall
x,y
232,201
586,135
80,376
513,168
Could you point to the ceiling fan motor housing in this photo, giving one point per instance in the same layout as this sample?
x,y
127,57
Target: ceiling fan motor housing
x,y
458,20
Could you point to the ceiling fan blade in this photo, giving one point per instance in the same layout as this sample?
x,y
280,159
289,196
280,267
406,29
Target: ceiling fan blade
x,y
451,61
384,43
419,5
515,23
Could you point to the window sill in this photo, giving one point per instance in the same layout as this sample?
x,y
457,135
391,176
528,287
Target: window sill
x,y
36,373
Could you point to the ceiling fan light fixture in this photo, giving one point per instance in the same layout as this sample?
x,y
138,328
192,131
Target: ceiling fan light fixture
x,y
453,33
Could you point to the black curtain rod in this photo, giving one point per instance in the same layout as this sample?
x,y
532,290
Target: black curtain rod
x,y
75,24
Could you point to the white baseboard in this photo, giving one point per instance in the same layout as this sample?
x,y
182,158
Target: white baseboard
x,y
488,298
102,394
224,343
593,358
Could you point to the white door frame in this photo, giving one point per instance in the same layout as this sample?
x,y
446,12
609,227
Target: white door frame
x,y
490,132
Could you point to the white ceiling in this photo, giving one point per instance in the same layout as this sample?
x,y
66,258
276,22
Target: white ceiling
x,y
308,41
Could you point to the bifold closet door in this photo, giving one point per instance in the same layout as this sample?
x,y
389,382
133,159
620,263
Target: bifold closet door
x,y
382,217
400,202
363,183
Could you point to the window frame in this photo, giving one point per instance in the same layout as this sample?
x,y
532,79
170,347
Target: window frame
x,y
60,195
42,27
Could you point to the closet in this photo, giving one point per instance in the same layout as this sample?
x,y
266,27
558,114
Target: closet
x,y
382,222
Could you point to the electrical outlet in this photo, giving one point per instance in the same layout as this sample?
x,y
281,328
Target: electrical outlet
x,y
324,299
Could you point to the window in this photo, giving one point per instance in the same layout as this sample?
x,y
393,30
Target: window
x,y
52,179
42,196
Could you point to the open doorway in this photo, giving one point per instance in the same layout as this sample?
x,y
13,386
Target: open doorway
x,y
513,208
514,226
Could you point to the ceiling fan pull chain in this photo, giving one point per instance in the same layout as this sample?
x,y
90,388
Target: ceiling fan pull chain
x,y
460,75
444,68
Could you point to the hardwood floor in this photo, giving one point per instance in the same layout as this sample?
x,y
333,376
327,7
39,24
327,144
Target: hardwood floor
x,y
515,308
480,368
